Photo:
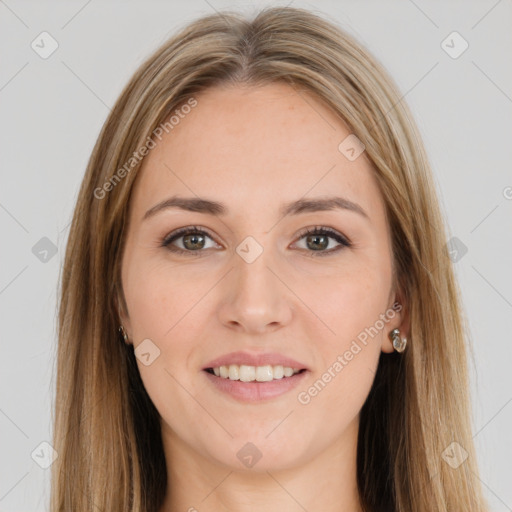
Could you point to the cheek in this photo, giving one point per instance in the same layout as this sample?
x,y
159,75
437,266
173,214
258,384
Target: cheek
x,y
159,296
353,318
347,300
161,300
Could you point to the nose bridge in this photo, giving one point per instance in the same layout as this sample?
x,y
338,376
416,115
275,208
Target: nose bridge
x,y
255,296
252,273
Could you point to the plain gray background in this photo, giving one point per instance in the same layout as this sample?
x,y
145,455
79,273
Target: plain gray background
x,y
53,109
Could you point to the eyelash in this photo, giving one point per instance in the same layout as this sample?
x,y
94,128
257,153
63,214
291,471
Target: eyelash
x,y
317,230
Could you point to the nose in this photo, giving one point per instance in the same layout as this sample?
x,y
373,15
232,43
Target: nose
x,y
255,298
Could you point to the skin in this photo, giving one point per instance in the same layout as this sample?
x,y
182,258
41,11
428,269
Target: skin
x,y
195,309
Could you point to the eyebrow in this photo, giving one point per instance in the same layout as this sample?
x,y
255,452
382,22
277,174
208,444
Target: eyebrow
x,y
209,207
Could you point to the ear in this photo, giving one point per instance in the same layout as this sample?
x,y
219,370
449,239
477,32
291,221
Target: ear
x,y
399,320
122,312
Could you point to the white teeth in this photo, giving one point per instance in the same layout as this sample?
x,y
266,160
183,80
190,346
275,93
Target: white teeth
x,y
233,372
247,373
278,372
264,373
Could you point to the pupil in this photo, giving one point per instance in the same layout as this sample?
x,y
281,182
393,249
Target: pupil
x,y
315,238
194,238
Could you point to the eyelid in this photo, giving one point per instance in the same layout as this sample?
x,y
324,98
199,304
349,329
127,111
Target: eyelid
x,y
341,239
180,232
334,233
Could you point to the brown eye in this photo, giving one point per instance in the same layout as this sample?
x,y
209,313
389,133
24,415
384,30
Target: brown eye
x,y
317,241
193,240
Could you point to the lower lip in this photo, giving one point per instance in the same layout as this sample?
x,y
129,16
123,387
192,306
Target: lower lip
x,y
255,391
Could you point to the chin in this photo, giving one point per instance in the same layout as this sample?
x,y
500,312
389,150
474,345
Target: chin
x,y
259,454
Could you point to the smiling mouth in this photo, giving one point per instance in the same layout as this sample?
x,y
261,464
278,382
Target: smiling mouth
x,y
246,373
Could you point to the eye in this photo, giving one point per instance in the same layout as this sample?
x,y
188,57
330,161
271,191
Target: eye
x,y
193,240
317,240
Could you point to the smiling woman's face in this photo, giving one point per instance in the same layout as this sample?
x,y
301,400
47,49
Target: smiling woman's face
x,y
249,280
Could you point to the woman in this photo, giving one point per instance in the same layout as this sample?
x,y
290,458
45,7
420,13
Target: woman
x,y
257,309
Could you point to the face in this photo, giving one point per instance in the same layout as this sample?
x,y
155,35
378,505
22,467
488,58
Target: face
x,y
252,280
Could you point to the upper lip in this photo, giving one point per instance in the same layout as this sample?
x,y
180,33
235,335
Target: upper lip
x,y
255,359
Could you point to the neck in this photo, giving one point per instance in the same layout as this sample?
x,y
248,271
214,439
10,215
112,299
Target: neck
x,y
326,482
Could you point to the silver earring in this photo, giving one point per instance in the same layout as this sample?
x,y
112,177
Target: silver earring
x,y
123,332
398,343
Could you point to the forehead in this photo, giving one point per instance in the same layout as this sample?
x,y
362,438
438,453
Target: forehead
x,y
251,146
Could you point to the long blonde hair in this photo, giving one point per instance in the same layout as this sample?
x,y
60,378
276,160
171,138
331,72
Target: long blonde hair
x,y
106,429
